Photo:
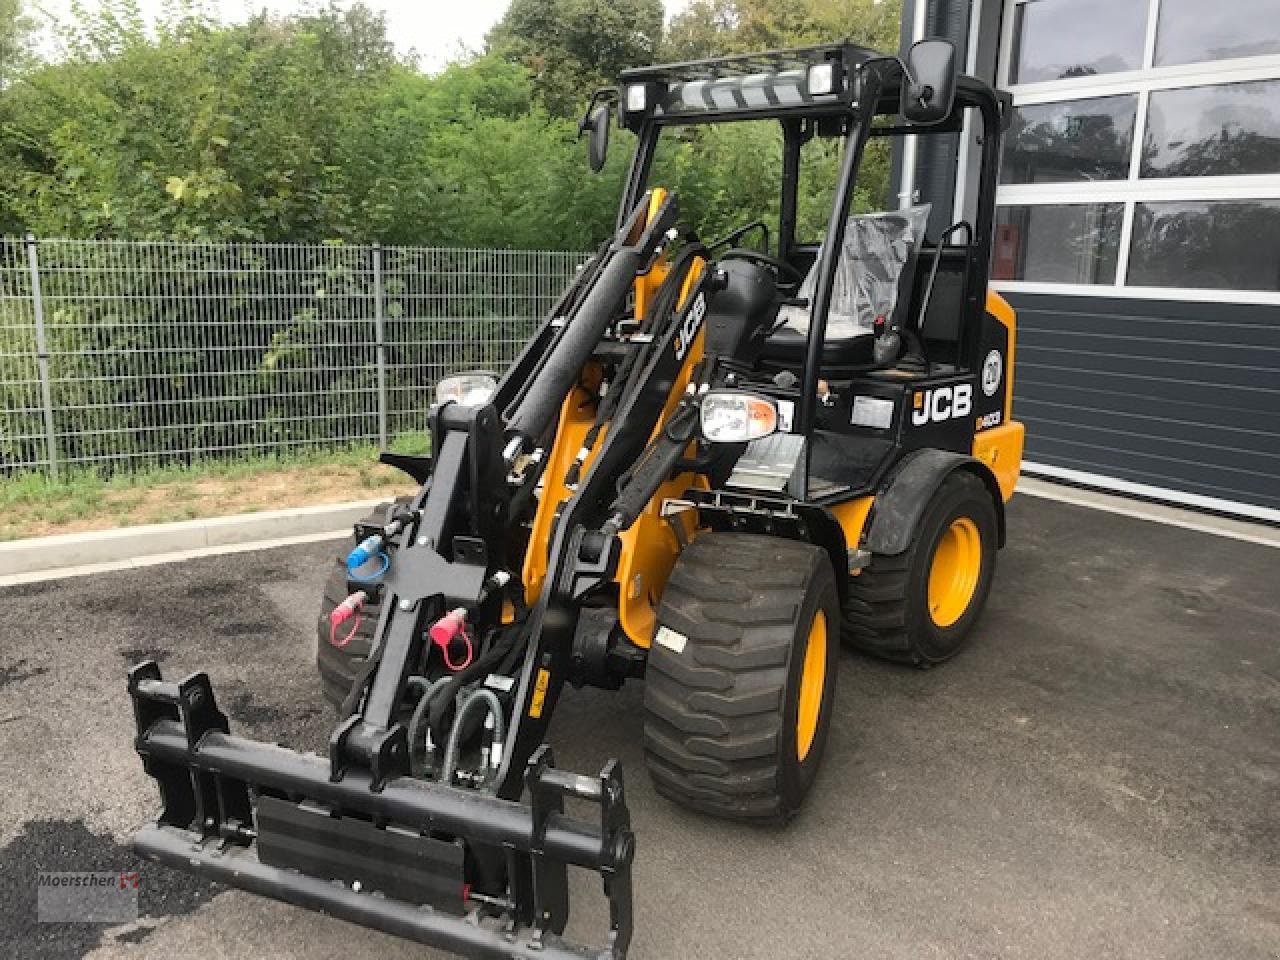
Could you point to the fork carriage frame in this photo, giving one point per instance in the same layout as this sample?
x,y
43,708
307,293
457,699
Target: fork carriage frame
x,y
211,783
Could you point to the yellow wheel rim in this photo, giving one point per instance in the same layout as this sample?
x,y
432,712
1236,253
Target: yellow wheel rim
x,y
812,680
953,574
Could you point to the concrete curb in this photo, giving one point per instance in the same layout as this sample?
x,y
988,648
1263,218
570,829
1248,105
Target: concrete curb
x,y
1230,527
68,554
79,554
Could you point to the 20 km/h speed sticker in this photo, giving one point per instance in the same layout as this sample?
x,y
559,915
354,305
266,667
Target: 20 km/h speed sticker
x,y
992,368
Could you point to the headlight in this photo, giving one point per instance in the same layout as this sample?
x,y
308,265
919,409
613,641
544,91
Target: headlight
x,y
468,389
822,79
729,416
637,98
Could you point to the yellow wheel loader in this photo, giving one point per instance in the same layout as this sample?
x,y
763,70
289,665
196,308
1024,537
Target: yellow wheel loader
x,y
710,465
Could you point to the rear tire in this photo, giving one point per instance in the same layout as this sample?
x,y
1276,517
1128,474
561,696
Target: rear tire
x,y
919,607
741,678
339,666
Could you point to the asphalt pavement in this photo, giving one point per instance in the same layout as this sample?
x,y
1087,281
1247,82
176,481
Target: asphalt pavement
x,y
1097,776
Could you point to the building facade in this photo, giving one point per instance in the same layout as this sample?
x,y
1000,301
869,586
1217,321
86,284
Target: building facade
x,y
1137,234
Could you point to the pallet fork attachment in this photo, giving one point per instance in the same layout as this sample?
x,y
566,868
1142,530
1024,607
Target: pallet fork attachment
x,y
345,849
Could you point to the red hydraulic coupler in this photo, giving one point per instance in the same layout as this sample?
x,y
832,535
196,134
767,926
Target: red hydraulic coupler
x,y
453,625
348,608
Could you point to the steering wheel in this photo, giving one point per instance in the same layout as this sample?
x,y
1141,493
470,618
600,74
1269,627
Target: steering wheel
x,y
781,267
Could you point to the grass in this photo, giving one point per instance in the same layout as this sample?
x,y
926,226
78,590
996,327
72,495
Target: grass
x,y
32,505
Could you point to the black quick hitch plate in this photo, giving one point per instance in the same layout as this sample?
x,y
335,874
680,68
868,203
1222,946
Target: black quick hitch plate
x,y
272,821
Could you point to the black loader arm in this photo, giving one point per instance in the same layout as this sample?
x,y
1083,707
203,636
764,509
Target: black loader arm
x,y
584,551
400,828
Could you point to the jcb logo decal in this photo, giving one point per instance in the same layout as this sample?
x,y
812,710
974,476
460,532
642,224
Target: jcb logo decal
x,y
690,326
941,403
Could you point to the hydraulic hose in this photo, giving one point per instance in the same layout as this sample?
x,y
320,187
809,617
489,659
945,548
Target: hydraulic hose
x,y
482,697
447,689
417,725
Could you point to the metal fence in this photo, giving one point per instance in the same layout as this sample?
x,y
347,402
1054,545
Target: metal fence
x,y
119,354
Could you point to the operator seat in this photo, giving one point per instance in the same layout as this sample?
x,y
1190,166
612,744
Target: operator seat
x,y
873,282
786,348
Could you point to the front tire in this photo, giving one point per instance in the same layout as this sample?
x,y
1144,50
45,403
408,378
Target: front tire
x,y
919,607
741,677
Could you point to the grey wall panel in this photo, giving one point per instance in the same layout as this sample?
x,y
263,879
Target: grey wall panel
x,y
1150,418
1166,473
1178,395
1089,373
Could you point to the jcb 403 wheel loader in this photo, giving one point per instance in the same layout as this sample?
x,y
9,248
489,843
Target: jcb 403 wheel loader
x,y
708,464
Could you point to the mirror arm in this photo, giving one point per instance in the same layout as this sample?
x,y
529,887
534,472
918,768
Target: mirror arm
x,y
603,94
921,93
901,64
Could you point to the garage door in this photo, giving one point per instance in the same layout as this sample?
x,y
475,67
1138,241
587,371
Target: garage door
x,y
1179,400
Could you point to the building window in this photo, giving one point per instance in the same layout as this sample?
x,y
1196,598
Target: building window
x,y
1058,243
1144,148
1217,131
1060,39
1070,140
1210,245
1193,31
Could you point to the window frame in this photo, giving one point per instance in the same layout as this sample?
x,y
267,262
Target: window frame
x,y
1135,189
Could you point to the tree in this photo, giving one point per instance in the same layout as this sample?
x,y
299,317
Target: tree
x,y
574,46
308,128
15,31
708,28
727,176
259,131
704,29
297,129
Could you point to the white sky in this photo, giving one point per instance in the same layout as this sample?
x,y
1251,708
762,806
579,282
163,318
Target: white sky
x,y
437,29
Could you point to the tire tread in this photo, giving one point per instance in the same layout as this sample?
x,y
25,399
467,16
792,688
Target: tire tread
x,y
714,714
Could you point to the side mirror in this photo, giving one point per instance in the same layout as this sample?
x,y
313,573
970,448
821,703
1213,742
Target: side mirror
x,y
597,130
929,89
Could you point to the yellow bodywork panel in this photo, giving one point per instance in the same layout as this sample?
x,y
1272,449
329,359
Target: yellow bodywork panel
x,y
540,685
647,284
576,416
1000,448
852,517
650,547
